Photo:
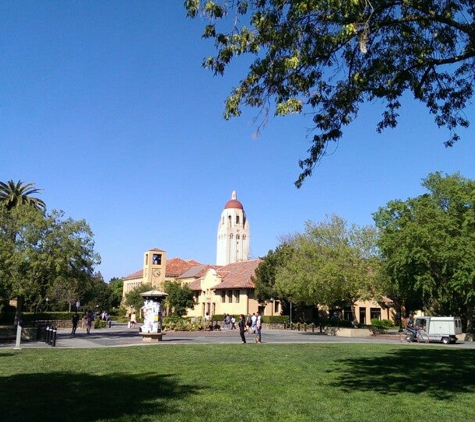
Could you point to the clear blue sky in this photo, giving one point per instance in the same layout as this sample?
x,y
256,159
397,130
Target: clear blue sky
x,y
106,107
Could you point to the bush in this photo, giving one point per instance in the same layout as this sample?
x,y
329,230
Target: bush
x,y
99,323
381,323
177,323
275,319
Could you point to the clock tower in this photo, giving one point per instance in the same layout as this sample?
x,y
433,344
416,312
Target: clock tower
x,y
155,265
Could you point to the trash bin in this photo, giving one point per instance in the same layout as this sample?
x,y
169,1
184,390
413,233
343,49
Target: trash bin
x,y
41,333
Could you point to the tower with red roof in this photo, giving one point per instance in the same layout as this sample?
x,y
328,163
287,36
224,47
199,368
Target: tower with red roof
x,y
233,233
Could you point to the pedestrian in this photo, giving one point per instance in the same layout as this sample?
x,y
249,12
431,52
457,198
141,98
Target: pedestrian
x,y
233,323
133,320
75,320
249,323
253,323
258,328
242,328
89,319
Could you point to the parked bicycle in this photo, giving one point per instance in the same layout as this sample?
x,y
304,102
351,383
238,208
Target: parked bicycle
x,y
410,335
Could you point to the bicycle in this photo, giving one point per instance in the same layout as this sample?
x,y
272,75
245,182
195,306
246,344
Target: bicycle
x,y
414,334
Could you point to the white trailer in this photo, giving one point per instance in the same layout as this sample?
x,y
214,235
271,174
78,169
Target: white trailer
x,y
440,329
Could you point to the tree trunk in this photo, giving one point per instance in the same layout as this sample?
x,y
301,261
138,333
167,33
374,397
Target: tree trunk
x,y
470,328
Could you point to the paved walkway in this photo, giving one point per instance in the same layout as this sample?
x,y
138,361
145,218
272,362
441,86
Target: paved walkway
x,y
120,336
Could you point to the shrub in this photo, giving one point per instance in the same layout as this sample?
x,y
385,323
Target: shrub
x,y
99,323
381,323
177,323
275,319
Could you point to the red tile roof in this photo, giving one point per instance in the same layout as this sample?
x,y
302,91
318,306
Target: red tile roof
x,y
137,274
238,275
177,266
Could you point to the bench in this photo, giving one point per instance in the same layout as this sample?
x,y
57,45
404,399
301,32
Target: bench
x,y
152,336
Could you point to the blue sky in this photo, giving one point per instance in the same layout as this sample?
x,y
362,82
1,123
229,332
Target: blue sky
x,y
105,106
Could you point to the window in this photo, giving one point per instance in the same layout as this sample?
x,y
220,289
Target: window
x,y
375,313
230,296
236,296
237,219
157,259
223,296
276,306
362,315
347,314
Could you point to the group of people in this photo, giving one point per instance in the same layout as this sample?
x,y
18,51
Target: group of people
x,y
251,324
229,322
88,319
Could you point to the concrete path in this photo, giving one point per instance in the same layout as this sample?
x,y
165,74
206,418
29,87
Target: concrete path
x,y
120,336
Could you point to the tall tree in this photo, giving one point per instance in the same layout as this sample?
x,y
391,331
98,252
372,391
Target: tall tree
x,y
428,246
179,297
17,194
39,252
265,273
331,264
326,58
133,298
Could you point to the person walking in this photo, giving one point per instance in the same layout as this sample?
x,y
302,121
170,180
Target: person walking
x,y
89,319
258,328
253,323
242,328
133,320
75,320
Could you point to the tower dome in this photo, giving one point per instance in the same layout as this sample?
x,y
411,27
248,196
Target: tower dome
x,y
233,202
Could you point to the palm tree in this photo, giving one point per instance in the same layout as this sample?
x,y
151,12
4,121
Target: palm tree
x,y
16,194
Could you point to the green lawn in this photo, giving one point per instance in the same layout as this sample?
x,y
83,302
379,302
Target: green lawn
x,y
285,382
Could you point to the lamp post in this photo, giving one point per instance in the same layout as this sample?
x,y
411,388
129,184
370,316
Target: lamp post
x,y
47,301
290,315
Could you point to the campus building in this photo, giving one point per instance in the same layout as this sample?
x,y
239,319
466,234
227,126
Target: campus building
x,y
227,287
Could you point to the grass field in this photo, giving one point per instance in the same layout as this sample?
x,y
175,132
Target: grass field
x,y
291,382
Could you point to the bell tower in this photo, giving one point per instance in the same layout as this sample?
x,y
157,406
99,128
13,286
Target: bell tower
x,y
155,265
233,233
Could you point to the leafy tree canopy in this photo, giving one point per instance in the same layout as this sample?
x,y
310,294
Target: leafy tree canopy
x,y
428,246
330,263
325,58
264,278
17,194
179,297
133,298
43,253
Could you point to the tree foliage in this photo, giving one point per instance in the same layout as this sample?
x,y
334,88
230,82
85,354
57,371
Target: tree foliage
x,y
265,273
330,264
428,245
17,194
325,58
133,298
179,297
43,253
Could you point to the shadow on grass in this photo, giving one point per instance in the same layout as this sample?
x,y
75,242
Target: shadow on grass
x,y
84,397
442,374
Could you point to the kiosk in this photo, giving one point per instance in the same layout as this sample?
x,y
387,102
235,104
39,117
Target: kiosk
x,y
151,313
